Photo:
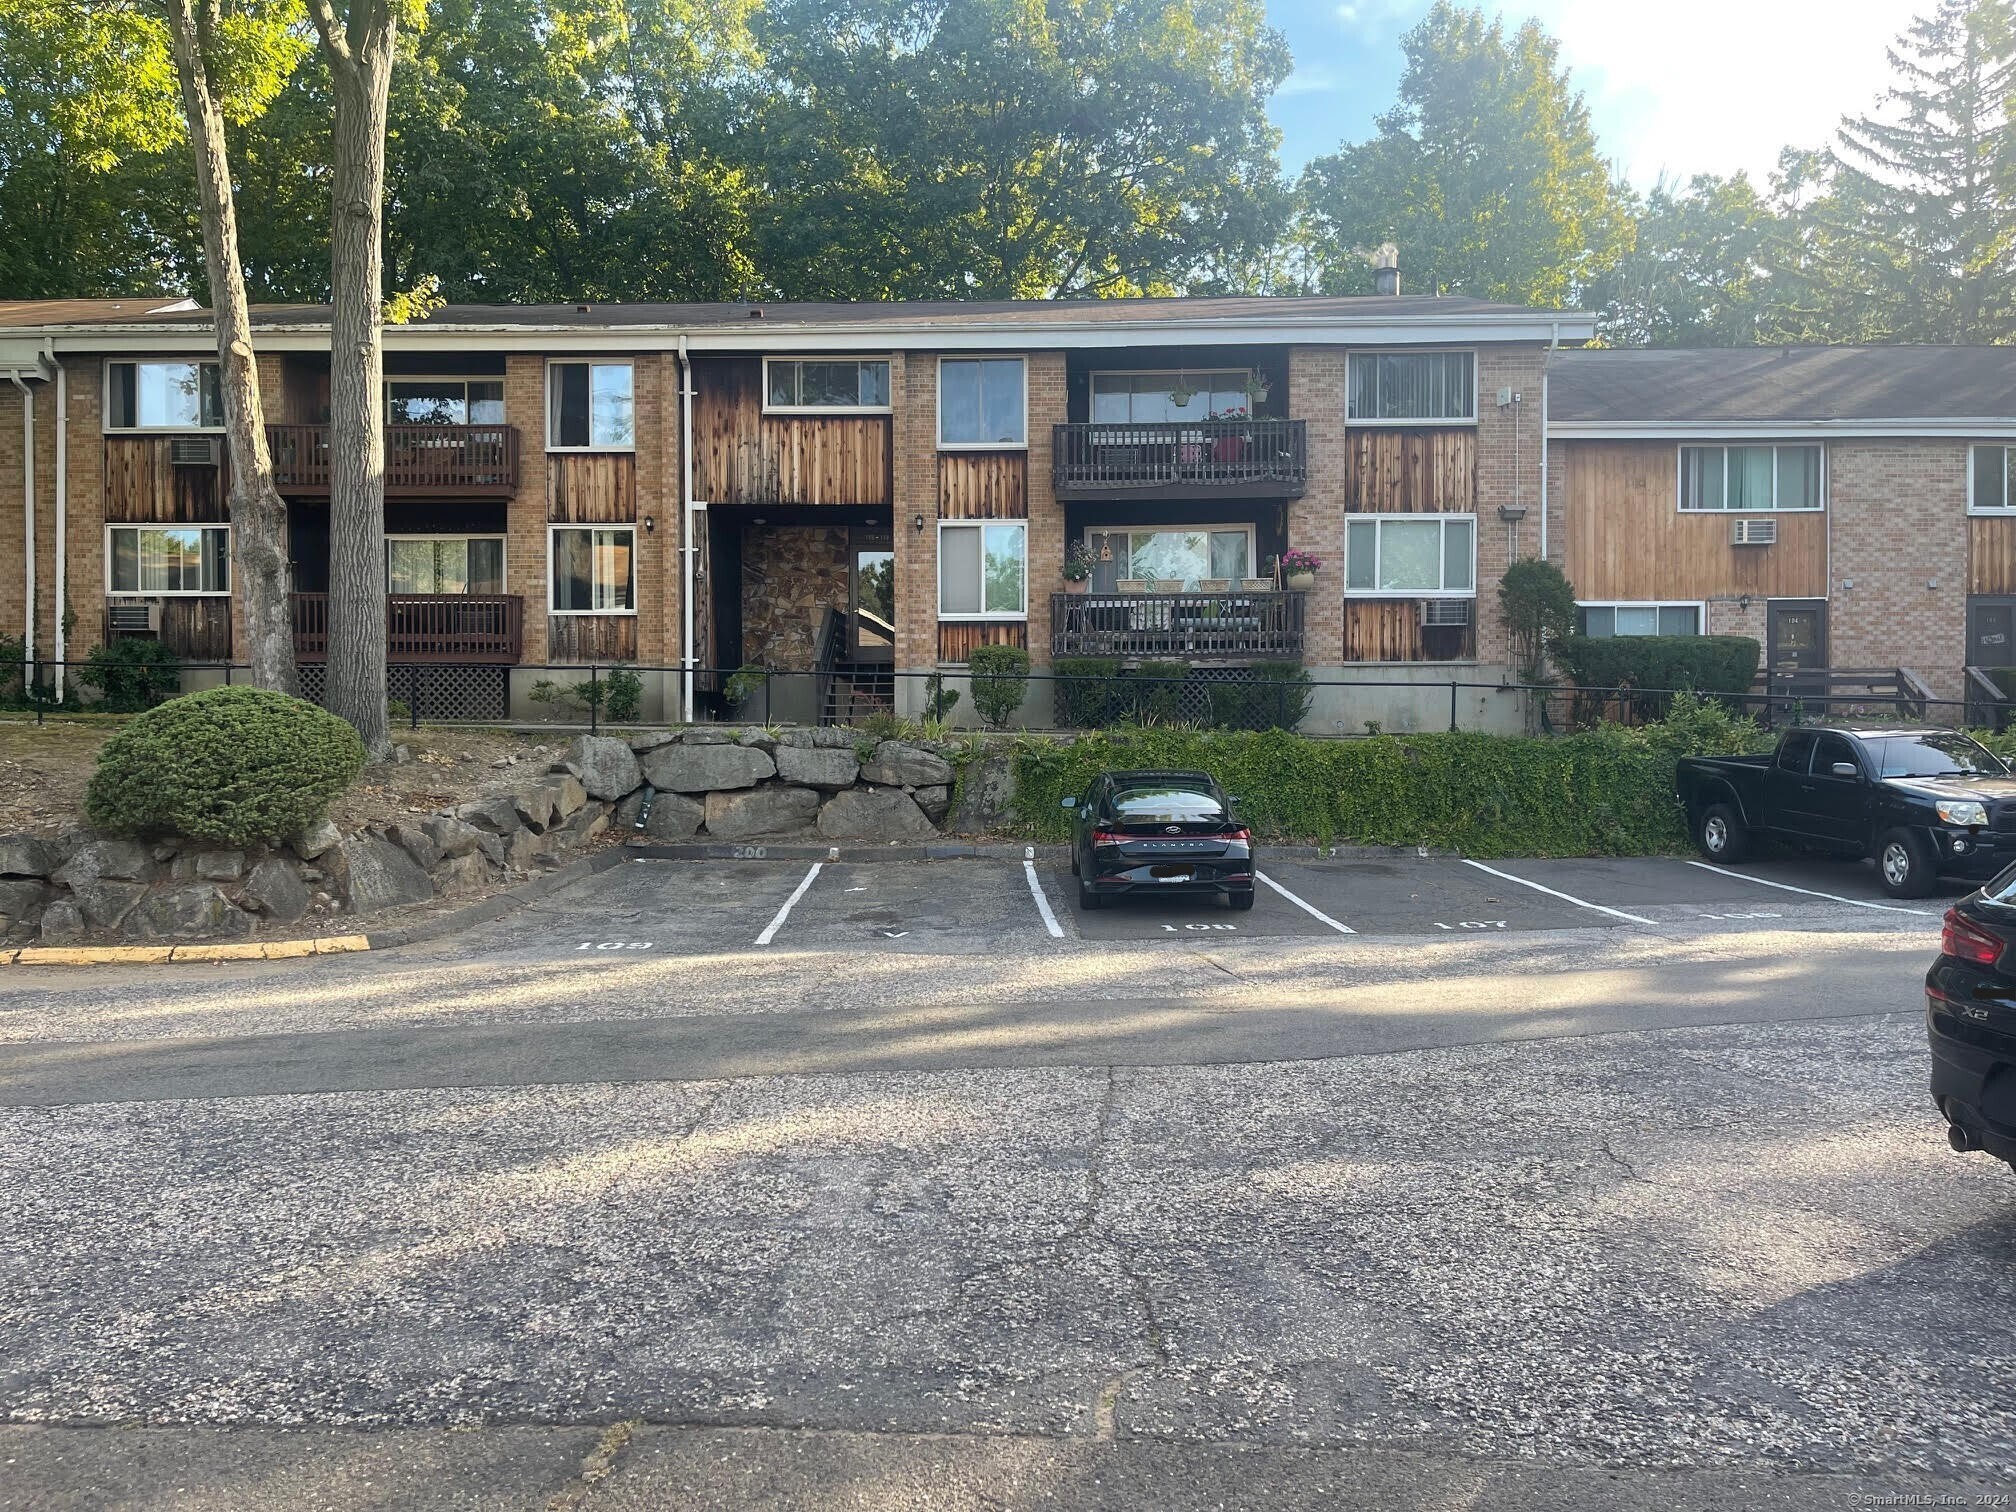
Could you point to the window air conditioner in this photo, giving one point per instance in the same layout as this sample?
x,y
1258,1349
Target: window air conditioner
x,y
1754,533
1445,612
130,617
193,451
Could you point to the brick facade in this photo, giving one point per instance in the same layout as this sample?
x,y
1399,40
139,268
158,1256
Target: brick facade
x,y
1316,520
1508,476
1897,588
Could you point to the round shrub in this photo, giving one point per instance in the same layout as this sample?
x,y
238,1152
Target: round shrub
x,y
237,766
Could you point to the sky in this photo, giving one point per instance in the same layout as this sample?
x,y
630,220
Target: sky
x,y
1708,86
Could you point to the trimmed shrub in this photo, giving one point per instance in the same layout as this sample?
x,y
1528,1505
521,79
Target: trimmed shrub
x,y
235,766
1085,687
1608,792
999,676
1272,696
131,674
1538,603
1155,692
1704,663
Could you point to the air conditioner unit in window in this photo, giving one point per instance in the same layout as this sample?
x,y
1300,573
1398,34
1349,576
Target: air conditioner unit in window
x,y
1445,612
133,617
1753,533
193,451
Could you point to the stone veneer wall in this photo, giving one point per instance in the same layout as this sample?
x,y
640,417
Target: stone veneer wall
x,y
790,575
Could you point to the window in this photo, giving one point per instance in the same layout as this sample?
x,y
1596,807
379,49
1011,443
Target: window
x,y
982,571
1410,555
1605,620
182,559
981,401
163,396
444,564
1412,387
1750,477
588,406
1182,554
444,401
1988,478
1162,398
795,383
1829,749
593,570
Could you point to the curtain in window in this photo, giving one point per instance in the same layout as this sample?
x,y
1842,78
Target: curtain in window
x,y
1798,477
1412,386
1361,570
1991,474
1701,477
1458,553
1749,477
959,570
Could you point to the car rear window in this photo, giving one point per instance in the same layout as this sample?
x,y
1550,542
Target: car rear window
x,y
1165,805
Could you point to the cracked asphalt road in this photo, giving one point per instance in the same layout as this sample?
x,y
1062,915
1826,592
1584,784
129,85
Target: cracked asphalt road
x,y
1630,1258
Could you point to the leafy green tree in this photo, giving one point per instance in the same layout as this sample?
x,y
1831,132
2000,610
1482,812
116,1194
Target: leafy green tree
x,y
1699,273
1012,148
1486,174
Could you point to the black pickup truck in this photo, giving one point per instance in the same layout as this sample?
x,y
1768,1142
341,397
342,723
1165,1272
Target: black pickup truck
x,y
1922,803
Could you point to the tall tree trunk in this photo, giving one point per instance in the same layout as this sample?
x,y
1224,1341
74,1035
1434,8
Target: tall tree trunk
x,y
359,55
258,516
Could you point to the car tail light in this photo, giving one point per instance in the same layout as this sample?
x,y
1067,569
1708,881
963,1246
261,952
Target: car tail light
x,y
1106,837
1968,942
1241,836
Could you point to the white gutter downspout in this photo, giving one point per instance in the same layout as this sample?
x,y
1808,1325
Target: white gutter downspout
x,y
62,519
28,522
1545,421
687,547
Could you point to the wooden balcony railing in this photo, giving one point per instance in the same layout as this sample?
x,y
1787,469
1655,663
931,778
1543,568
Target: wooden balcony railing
x,y
425,627
1190,459
420,460
1195,627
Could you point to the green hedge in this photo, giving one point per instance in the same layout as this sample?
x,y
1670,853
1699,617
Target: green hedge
x,y
1705,663
1609,792
998,676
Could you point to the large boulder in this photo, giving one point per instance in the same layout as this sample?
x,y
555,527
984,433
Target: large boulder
x,y
26,856
208,866
650,740
867,814
757,736
934,801
276,890
986,800
105,904
811,767
673,818
569,796
319,838
820,738
535,807
583,827
416,842
896,764
495,816
373,874
608,766
21,900
765,811
451,836
459,876
108,861
687,768
701,736
62,922
200,912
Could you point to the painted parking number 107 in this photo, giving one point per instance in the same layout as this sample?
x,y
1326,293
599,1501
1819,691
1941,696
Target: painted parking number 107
x,y
1472,924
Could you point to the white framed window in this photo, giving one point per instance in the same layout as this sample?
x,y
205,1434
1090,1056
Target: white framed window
x,y
594,569
163,395
1172,396
1175,553
1411,388
1640,618
1410,556
1988,479
590,406
982,402
174,561
983,570
1752,479
825,385
444,401
444,564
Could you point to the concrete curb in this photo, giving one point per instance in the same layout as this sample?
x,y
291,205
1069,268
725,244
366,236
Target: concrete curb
x,y
157,955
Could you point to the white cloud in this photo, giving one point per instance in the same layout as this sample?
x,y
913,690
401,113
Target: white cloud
x,y
1721,85
1308,79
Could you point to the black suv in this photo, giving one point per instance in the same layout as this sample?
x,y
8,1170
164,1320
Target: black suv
x,y
1970,1014
1158,832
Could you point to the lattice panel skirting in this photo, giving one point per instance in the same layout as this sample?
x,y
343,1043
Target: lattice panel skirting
x,y
445,692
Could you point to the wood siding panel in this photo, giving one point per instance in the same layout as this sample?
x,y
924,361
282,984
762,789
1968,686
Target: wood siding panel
x,y
591,488
1991,555
743,456
1410,471
583,638
1382,630
957,638
141,487
983,486
1628,539
197,629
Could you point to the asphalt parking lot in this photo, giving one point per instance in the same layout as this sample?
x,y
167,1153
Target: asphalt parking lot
x,y
973,906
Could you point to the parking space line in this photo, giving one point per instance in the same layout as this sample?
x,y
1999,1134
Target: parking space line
x,y
1308,908
1923,913
1042,903
1615,913
770,929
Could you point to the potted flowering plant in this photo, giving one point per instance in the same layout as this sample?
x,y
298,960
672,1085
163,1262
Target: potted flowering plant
x,y
1298,570
1077,568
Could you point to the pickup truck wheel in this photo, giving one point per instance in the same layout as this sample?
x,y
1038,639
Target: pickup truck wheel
x,y
1904,865
1720,835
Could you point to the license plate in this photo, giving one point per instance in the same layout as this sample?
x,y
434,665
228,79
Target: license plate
x,y
1171,873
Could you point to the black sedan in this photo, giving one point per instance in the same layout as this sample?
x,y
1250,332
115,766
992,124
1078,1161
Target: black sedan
x,y
1158,832
1970,1014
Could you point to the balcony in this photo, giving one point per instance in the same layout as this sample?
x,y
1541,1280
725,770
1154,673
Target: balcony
x,y
1227,628
421,461
425,627
1191,459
